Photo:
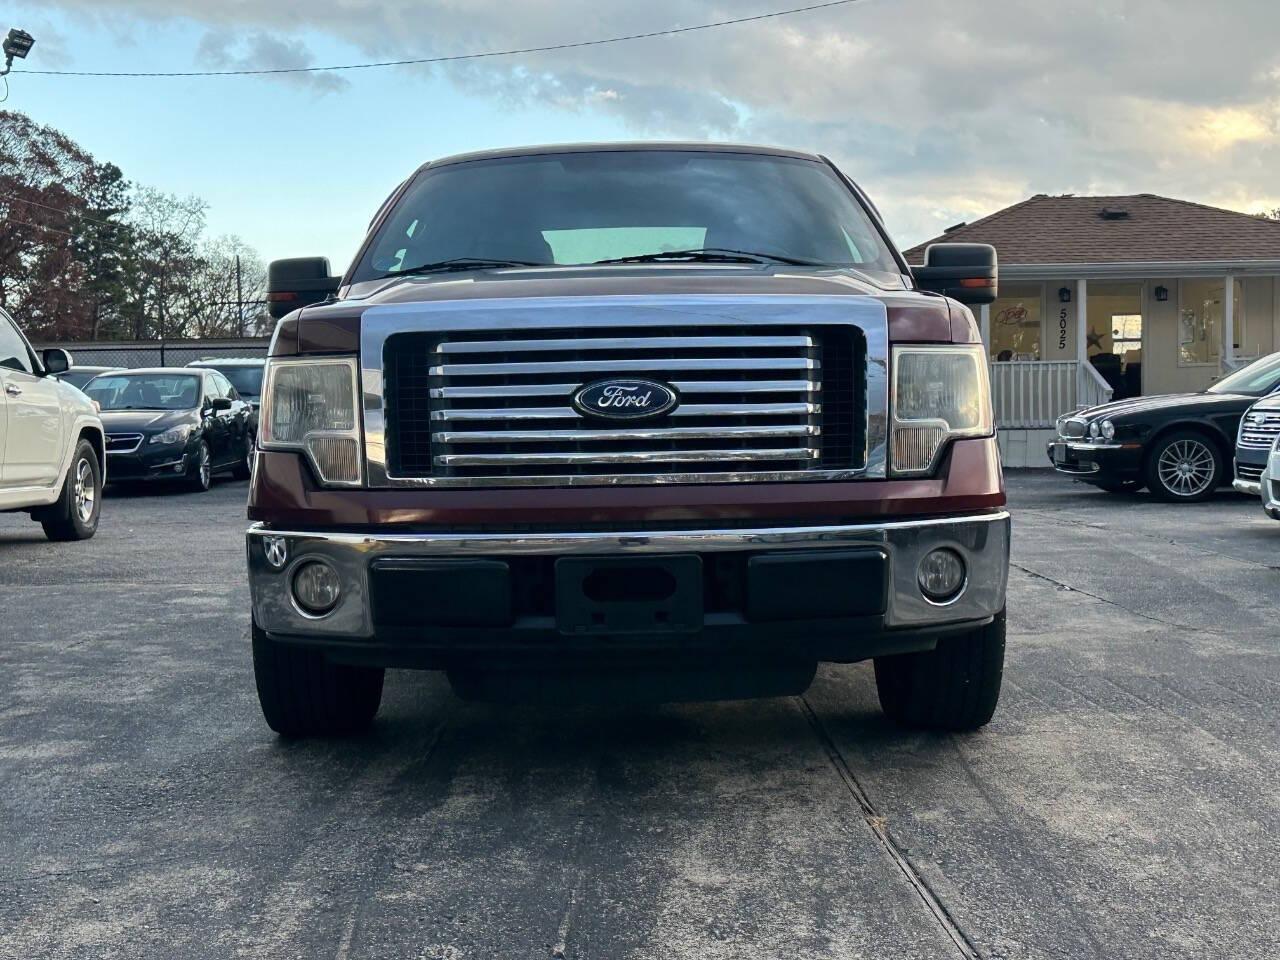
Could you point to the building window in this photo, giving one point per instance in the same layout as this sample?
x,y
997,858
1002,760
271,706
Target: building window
x,y
1015,323
1201,317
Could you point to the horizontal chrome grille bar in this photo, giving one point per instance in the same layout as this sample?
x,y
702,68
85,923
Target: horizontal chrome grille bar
x,y
621,457
595,368
685,410
566,389
658,433
622,343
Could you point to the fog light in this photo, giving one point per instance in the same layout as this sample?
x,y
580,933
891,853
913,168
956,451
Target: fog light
x,y
941,575
276,550
316,587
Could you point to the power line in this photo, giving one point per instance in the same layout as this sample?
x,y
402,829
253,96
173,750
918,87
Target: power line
x,y
68,212
549,48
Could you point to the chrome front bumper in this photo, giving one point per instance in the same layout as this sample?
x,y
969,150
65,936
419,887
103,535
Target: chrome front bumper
x,y
981,539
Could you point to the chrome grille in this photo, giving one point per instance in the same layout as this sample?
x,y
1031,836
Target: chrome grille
x,y
123,442
1073,427
1246,472
481,405
1259,435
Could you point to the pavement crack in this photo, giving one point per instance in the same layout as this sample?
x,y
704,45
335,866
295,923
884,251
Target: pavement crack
x,y
880,828
1062,585
561,946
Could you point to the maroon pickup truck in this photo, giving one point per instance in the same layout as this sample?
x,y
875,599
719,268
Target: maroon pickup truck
x,y
653,421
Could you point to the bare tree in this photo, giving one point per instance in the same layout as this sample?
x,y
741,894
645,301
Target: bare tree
x,y
166,231
227,290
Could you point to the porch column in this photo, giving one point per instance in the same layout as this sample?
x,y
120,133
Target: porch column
x,y
1082,321
1229,320
984,325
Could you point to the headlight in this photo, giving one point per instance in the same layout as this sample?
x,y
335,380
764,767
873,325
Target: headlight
x,y
1108,430
311,406
939,393
173,435
1094,430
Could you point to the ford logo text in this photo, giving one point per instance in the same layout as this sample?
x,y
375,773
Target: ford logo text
x,y
625,399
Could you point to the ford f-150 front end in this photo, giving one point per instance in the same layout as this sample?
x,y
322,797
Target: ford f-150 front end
x,y
664,421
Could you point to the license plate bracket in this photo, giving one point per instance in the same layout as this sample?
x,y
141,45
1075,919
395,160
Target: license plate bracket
x,y
629,595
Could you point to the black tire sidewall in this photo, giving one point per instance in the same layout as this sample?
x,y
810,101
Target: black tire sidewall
x,y
194,479
64,522
1152,468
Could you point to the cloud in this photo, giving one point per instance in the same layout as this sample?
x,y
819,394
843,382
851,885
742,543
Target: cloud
x,y
221,49
944,109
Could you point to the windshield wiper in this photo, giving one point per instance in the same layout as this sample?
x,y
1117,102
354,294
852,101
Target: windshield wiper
x,y
462,263
712,255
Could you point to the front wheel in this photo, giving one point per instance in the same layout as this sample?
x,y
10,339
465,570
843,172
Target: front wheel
x,y
75,514
1184,466
243,469
200,478
304,695
954,686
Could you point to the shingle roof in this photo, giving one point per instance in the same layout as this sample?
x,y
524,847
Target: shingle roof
x,y
1139,228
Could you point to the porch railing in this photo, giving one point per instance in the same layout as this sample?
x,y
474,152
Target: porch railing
x,y
1031,395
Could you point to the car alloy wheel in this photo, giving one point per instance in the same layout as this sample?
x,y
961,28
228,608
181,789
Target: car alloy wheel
x,y
1186,467
84,493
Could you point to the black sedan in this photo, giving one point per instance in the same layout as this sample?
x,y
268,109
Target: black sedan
x,y
1179,445
173,424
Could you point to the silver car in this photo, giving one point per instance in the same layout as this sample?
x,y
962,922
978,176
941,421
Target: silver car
x,y
1270,483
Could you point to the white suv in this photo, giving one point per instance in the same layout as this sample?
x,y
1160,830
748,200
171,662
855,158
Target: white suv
x,y
52,451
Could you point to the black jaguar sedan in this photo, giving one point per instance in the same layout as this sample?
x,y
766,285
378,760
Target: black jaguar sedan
x,y
1180,445
173,424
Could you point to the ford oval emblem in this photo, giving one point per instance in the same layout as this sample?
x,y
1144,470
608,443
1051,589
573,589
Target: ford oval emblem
x,y
625,399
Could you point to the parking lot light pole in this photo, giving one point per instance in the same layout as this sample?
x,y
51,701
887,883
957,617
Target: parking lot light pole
x,y
17,44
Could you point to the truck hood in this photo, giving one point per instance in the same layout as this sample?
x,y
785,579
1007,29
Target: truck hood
x,y
334,326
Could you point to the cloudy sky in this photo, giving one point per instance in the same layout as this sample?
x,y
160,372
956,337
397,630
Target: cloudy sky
x,y
944,110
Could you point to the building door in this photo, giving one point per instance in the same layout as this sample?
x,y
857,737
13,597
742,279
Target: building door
x,y
1114,333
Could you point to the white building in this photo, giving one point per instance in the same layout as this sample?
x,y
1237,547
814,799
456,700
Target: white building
x,y
1109,297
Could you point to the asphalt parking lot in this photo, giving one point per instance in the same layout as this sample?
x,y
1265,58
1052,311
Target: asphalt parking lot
x,y
1123,802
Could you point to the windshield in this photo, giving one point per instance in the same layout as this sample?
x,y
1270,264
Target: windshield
x,y
78,378
246,380
1258,378
145,391
582,208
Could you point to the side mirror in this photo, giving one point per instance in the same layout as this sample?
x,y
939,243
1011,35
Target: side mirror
x,y
297,283
219,404
56,360
964,271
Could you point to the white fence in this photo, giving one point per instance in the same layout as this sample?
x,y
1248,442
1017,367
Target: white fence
x,y
1033,394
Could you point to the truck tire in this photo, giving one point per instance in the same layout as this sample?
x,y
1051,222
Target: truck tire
x,y
955,686
74,516
304,695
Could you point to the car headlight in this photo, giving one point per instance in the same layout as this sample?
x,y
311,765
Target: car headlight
x,y
1108,430
1094,430
172,435
939,393
310,406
